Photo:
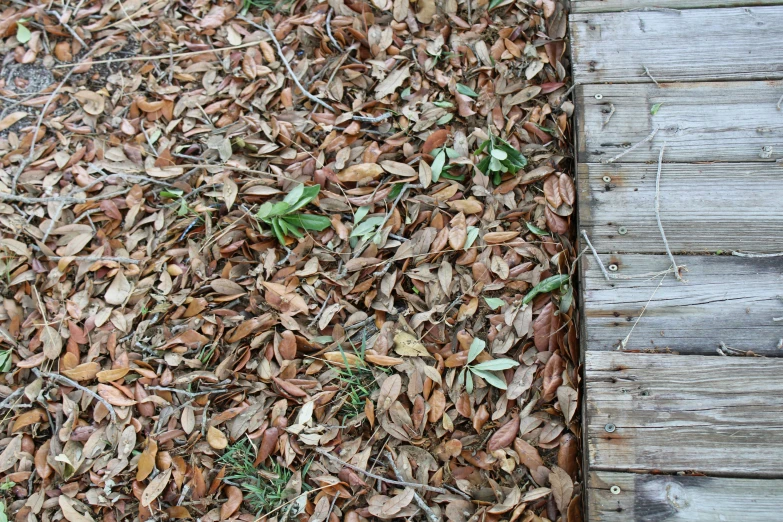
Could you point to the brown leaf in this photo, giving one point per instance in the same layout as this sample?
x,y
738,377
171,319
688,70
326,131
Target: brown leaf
x,y
528,455
542,327
458,232
552,377
435,140
216,17
399,169
229,507
567,189
493,238
52,342
562,488
552,191
395,504
390,390
155,487
567,398
118,290
11,119
504,436
83,372
555,223
360,172
92,102
216,438
67,505
147,461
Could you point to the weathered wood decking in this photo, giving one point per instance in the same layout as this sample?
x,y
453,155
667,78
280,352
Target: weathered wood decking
x,y
673,430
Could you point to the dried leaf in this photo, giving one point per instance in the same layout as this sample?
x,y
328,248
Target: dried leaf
x,y
155,487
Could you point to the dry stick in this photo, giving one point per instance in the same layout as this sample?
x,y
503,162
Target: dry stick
x,y
291,71
185,392
658,215
127,260
11,398
73,384
164,56
752,254
431,516
623,153
426,487
611,113
624,342
329,31
647,72
609,276
376,119
62,199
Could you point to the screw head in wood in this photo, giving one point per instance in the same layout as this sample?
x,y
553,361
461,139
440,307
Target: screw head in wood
x,y
615,490
609,428
599,96
613,268
606,179
622,231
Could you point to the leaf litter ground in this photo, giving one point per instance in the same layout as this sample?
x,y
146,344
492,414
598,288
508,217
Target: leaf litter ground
x,y
287,261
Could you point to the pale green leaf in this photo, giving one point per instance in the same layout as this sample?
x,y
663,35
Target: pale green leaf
x,y
494,302
476,347
496,365
491,378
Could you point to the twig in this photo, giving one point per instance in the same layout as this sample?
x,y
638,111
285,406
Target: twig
x,y
8,400
73,384
397,200
376,119
611,113
68,28
127,260
752,254
431,516
329,31
658,215
610,277
185,392
163,56
288,66
647,72
426,487
623,153
624,342
62,199
323,307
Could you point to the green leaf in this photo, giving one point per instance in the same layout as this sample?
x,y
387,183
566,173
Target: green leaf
x,y
567,299
493,4
395,191
476,347
443,104
173,193
451,153
496,365
482,147
547,285
361,212
500,154
437,165
278,231
491,378
469,383
264,210
443,120
495,165
467,91
280,208
293,197
308,194
23,34
483,165
309,221
367,226
5,361
183,208
3,516
537,231
473,233
494,302
654,109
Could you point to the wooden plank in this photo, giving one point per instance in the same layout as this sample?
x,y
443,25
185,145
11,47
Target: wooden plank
x,y
607,6
725,299
672,413
655,498
693,45
704,207
715,122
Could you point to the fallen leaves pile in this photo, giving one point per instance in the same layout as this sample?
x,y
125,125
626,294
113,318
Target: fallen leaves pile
x,y
224,297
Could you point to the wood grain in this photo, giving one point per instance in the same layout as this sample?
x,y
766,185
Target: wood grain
x,y
725,299
715,415
741,43
715,122
656,498
704,207
606,6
